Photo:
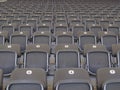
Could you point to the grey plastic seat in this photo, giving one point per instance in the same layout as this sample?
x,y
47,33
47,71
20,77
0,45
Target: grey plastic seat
x,y
97,57
90,47
117,22
47,21
72,78
60,17
89,23
9,17
33,22
77,27
26,27
27,79
104,23
35,17
64,37
8,60
115,29
97,18
84,18
42,37
20,38
108,79
96,28
108,38
9,28
3,21
86,38
17,21
44,27
22,17
37,56
61,21
13,47
60,27
73,22
67,56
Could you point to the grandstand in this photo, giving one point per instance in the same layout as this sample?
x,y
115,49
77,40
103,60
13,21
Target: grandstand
x,y
60,45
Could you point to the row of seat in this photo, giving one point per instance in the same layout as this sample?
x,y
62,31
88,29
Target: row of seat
x,y
46,26
64,79
23,38
62,16
57,15
66,56
61,6
17,24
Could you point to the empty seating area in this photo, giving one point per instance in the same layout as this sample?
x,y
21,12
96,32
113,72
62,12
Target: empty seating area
x,y
60,45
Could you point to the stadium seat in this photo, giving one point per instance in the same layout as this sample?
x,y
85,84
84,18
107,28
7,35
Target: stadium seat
x,y
47,21
104,24
76,28
44,27
67,56
60,27
86,38
20,38
3,21
108,79
113,28
108,38
27,79
97,57
26,27
64,37
89,22
8,59
8,28
37,56
96,28
42,37
72,78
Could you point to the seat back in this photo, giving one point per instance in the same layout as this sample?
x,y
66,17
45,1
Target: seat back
x,y
42,37
109,80
72,78
20,38
86,38
64,37
108,38
37,56
96,60
67,56
8,61
27,79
